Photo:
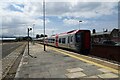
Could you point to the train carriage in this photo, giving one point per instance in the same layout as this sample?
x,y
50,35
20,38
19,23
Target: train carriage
x,y
77,40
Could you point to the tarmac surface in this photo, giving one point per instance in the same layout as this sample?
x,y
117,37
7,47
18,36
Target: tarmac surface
x,y
51,64
8,61
7,48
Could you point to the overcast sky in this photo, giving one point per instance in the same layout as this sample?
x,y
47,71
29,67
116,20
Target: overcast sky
x,y
64,16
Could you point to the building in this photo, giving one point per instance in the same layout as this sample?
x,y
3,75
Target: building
x,y
98,37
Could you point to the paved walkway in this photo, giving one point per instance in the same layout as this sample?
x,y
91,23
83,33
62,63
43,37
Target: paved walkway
x,y
51,64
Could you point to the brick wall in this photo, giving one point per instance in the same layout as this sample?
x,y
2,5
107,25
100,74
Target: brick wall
x,y
104,51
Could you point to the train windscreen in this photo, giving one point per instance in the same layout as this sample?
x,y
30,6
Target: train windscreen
x,y
83,38
78,37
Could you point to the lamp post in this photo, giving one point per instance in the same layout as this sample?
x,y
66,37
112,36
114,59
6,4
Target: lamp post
x,y
29,29
44,22
53,32
79,25
28,39
33,33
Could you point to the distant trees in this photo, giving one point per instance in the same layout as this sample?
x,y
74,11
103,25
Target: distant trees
x,y
94,31
106,30
39,36
23,38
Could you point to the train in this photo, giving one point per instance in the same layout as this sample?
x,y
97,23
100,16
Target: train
x,y
76,40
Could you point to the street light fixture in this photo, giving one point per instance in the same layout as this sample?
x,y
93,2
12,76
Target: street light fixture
x,y
79,25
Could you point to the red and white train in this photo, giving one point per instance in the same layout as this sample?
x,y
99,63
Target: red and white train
x,y
77,40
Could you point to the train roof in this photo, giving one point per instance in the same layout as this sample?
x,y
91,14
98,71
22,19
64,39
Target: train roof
x,y
72,32
69,32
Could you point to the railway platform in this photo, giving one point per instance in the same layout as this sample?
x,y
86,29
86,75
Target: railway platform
x,y
54,63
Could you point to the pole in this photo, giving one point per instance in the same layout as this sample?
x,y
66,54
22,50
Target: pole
x,y
53,32
79,24
33,33
28,44
28,41
44,22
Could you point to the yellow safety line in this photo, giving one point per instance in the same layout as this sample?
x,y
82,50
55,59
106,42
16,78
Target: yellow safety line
x,y
111,69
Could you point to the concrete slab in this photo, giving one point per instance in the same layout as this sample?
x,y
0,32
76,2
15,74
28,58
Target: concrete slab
x,y
108,75
75,69
85,66
92,72
75,75
25,63
58,76
45,74
92,77
104,70
36,76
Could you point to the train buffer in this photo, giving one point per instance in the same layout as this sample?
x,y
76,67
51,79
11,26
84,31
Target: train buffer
x,y
56,63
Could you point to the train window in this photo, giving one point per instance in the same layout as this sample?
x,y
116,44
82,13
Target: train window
x,y
63,40
71,38
50,40
68,39
60,40
56,40
78,37
53,40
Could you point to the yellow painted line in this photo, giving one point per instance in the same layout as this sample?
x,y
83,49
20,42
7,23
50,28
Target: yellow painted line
x,y
99,65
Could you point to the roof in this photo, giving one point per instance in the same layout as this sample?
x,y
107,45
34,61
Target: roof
x,y
69,32
108,32
101,33
7,38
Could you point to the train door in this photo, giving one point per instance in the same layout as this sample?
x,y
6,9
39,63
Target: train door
x,y
83,42
79,41
68,41
71,41
56,41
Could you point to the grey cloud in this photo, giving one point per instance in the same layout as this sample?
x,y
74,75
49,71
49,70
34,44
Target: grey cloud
x,y
62,8
17,31
15,21
57,8
34,10
85,9
85,6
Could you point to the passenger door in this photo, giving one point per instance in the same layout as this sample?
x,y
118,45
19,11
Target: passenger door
x,y
71,41
68,41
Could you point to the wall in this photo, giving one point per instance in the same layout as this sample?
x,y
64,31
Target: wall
x,y
104,51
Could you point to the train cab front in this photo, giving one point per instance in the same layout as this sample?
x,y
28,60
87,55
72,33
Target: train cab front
x,y
82,42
